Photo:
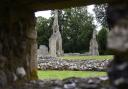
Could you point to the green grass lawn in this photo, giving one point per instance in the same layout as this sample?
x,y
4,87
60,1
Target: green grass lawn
x,y
51,74
87,57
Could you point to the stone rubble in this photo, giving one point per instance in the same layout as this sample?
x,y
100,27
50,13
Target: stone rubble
x,y
52,63
69,83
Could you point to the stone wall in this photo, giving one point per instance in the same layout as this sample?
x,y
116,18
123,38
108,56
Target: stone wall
x,y
69,83
17,45
55,41
52,63
42,51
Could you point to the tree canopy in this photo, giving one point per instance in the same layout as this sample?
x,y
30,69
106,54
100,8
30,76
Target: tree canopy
x,y
102,40
100,12
44,30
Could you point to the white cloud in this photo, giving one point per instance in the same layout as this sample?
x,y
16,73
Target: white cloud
x,y
45,14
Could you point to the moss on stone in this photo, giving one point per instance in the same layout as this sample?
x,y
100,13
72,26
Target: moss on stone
x,y
33,74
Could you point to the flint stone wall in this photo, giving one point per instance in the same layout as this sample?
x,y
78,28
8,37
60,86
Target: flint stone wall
x,y
17,46
52,63
69,83
55,41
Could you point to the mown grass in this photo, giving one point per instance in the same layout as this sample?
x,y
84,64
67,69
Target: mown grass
x,y
87,57
53,74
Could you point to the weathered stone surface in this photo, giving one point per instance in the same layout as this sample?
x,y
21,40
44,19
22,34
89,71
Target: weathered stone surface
x,y
69,83
17,47
38,5
3,79
52,63
117,42
93,49
55,41
118,74
42,51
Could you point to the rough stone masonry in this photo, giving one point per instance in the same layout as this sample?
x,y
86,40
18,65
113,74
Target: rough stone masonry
x,y
55,41
17,46
93,49
117,17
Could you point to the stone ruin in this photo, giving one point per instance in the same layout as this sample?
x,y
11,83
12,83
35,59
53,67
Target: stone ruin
x,y
55,41
42,51
49,63
93,49
18,43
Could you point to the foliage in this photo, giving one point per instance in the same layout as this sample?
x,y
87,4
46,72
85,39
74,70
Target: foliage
x,y
65,74
77,28
100,12
44,30
102,40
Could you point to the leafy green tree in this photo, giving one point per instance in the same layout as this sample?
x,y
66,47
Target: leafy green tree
x,y
44,30
100,12
77,29
102,40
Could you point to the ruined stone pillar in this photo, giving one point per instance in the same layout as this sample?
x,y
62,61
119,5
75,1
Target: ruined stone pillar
x,y
17,45
31,36
55,41
93,49
117,17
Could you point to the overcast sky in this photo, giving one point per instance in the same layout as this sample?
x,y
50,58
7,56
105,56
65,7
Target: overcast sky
x,y
47,14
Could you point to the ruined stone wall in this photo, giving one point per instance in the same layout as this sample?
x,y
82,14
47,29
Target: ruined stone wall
x,y
17,45
55,41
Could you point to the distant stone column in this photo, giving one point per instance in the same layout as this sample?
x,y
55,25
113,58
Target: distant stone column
x,y
55,41
93,49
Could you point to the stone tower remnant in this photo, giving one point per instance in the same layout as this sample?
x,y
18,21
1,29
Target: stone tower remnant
x,y
55,41
93,49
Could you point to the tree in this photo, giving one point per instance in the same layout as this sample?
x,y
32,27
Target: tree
x,y
77,29
100,12
44,30
102,40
